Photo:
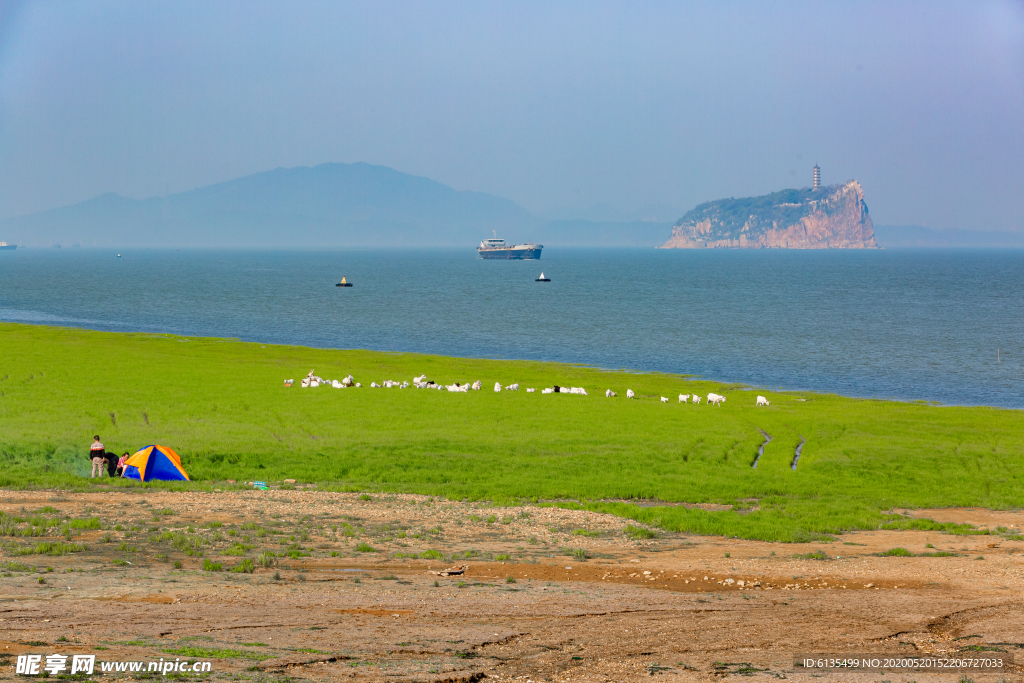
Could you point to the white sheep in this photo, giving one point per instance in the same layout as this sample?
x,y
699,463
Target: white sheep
x,y
358,385
609,393
419,380
530,390
497,386
337,385
477,385
762,401
715,399
683,398
374,385
630,394
512,387
664,400
549,390
696,400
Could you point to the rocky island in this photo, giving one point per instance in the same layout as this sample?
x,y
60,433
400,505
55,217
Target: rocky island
x,y
833,217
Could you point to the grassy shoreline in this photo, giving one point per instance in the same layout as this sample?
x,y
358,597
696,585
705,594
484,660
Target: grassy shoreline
x,y
222,405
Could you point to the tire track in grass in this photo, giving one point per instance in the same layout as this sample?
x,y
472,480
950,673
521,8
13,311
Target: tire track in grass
x,y
760,449
796,454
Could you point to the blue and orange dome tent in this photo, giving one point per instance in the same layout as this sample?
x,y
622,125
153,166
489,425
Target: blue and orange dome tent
x,y
158,463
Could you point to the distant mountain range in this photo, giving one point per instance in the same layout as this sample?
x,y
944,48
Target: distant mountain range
x,y
362,205
330,205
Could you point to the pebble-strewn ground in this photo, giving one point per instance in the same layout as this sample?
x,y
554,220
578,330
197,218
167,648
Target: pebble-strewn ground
x,y
549,594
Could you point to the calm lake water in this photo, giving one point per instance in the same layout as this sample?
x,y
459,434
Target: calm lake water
x,y
907,324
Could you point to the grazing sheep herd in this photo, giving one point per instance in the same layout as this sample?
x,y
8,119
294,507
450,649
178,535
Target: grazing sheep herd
x,y
421,382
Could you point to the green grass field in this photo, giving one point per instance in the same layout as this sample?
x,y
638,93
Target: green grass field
x,y
222,405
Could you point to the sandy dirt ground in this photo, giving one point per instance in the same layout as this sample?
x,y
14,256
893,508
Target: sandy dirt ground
x,y
548,594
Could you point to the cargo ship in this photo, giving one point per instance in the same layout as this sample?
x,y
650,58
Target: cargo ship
x,y
4,245
496,248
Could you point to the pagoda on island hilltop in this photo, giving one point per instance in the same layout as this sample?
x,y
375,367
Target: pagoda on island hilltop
x,y
817,177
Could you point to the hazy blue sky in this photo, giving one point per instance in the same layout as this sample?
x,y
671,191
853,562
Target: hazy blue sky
x,y
551,104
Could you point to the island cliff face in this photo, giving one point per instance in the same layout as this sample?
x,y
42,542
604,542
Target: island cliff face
x,y
834,217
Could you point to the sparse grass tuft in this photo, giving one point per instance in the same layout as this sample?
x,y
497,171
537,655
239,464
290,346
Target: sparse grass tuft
x,y
638,533
214,653
58,548
580,554
816,555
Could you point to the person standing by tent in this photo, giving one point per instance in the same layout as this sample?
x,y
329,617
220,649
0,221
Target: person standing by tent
x,y
97,453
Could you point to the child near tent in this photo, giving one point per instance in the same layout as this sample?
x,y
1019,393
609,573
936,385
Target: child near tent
x,y
97,453
120,465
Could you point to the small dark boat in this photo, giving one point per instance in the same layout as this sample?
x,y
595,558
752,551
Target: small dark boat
x,y
542,278
343,283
